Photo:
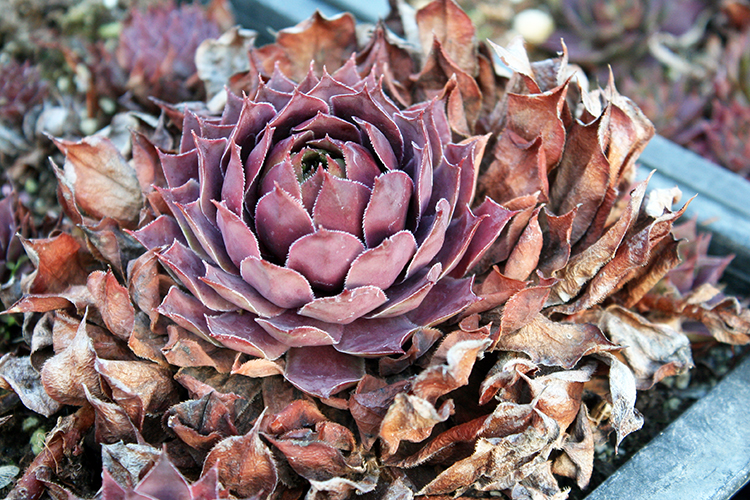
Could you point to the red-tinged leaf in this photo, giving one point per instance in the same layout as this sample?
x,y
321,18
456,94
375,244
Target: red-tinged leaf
x,y
186,349
242,333
60,262
558,394
522,308
164,481
346,307
369,404
245,465
327,41
17,375
584,266
525,255
113,302
312,459
411,418
257,367
554,343
300,413
447,22
103,183
324,257
145,284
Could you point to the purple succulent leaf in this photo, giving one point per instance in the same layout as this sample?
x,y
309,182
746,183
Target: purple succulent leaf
x,y
188,267
162,231
240,242
215,130
180,168
187,311
242,333
385,214
283,286
423,181
375,337
447,298
283,175
345,307
254,164
295,331
280,220
305,366
184,193
466,155
362,106
208,486
239,292
322,124
446,181
408,295
347,74
275,98
383,149
279,81
341,204
360,166
164,482
210,178
382,265
311,187
207,234
233,109
328,87
324,257
113,491
435,228
233,189
489,229
310,80
300,107
284,148
190,124
457,239
253,119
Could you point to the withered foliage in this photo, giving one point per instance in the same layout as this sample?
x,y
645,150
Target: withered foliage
x,y
380,270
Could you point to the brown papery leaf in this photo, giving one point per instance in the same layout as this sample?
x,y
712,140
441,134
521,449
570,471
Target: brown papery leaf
x,y
652,351
525,255
103,183
327,41
187,349
245,464
59,261
622,387
518,169
448,23
201,423
139,387
499,463
65,374
17,375
577,460
112,424
113,302
559,394
503,377
411,418
554,343
370,402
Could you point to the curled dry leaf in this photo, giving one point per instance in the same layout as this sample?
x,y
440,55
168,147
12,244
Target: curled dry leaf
x,y
245,465
102,182
17,375
652,351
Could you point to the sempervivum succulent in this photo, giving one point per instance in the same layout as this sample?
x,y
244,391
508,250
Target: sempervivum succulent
x,y
155,56
321,223
21,88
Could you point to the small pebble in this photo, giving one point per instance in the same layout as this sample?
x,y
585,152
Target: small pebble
x,y
534,25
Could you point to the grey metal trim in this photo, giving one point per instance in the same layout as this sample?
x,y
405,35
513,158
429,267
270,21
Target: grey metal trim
x,y
703,455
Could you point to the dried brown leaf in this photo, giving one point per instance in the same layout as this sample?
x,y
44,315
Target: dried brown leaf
x,y
445,21
554,343
17,375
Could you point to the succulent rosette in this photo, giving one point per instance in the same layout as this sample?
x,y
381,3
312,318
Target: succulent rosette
x,y
320,223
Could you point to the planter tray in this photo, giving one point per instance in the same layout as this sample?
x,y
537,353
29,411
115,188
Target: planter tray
x,y
704,454
722,205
